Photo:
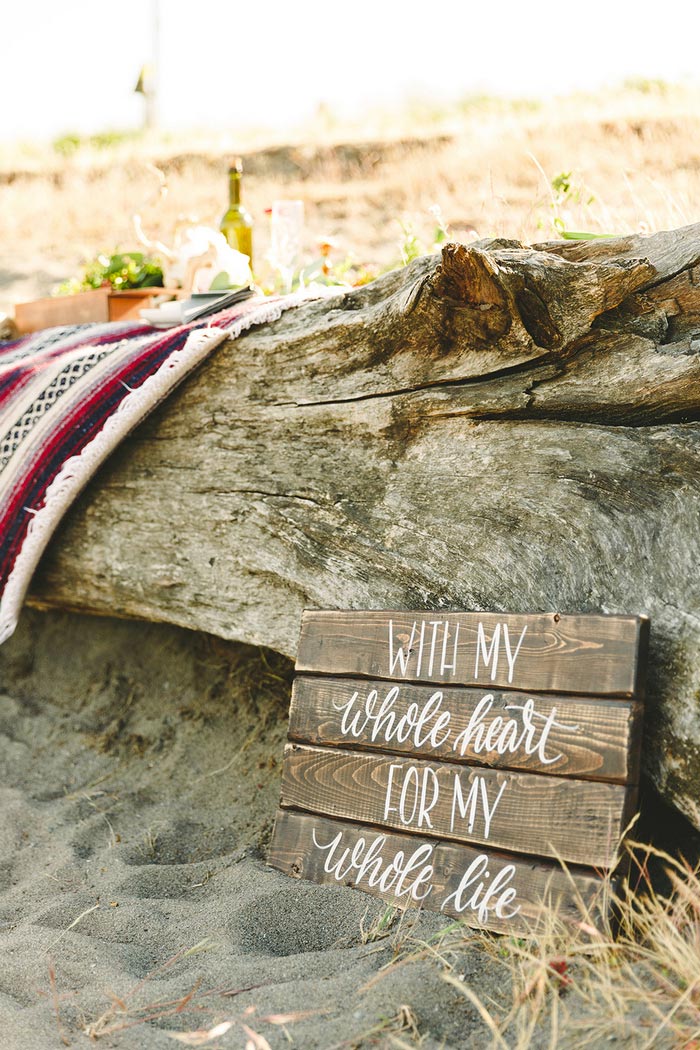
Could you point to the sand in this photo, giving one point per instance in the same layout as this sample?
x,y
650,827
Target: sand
x,y
139,777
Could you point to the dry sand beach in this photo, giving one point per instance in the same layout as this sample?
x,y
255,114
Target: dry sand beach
x,y
140,776
140,773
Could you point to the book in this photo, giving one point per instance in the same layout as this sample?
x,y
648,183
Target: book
x,y
200,304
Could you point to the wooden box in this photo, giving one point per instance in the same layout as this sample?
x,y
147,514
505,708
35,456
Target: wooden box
x,y
62,309
97,305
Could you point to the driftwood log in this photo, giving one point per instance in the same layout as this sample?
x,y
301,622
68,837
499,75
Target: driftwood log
x,y
504,428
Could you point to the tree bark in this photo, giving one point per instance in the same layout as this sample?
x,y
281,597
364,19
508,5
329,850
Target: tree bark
x,y
502,428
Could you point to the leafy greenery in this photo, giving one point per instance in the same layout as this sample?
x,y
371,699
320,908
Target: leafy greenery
x,y
68,144
411,246
580,235
122,270
567,191
648,85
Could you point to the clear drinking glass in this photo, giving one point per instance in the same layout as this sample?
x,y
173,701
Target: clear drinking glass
x,y
287,226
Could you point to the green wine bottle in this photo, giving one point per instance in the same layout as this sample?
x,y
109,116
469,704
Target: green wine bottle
x,y
237,225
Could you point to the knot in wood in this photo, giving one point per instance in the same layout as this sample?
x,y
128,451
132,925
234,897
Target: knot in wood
x,y
468,276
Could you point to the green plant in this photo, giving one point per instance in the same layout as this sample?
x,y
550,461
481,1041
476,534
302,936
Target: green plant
x,y
121,271
68,144
441,233
380,928
568,193
410,245
647,85
110,139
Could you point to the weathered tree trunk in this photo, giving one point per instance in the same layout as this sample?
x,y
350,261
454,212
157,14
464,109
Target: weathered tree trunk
x,y
506,428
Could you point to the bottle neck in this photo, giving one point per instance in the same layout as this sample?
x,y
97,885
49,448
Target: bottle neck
x,y
234,186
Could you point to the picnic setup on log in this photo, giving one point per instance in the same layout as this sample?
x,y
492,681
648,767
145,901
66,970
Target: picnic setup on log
x,y
481,764
484,765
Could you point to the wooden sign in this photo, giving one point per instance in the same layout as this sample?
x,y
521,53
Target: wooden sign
x,y
479,764
588,655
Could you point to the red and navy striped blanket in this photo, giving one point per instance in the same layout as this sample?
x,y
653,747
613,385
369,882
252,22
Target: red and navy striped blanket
x,y
67,397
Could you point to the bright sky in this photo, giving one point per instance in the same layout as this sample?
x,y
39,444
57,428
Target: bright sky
x,y
71,65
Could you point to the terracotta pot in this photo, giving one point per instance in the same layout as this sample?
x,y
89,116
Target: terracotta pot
x,y
126,306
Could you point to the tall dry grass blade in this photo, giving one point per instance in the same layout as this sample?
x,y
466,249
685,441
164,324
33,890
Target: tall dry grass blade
x,y
55,999
201,1036
73,925
255,1040
479,1007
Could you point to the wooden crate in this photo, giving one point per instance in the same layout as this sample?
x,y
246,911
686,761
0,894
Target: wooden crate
x,y
97,305
62,309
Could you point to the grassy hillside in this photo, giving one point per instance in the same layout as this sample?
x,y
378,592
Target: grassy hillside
x,y
613,163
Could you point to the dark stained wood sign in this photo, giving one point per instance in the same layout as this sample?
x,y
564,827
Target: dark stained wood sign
x,y
478,764
551,653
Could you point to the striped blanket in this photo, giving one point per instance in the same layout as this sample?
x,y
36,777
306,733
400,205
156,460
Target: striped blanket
x,y
67,397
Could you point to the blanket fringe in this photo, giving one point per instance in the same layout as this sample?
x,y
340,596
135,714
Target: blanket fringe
x,y
77,471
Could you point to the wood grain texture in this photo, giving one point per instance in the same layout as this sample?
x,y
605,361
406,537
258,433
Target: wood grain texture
x,y
581,737
538,886
389,449
576,821
587,654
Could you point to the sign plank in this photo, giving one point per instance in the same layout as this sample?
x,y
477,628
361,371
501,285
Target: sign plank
x,y
583,654
562,736
445,760
486,889
577,821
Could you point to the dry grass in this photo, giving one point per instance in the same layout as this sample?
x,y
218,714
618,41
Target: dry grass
x,y
629,979
398,1032
136,1009
487,164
